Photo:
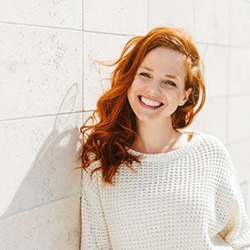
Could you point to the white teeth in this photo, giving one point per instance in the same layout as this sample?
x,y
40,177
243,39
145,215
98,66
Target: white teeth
x,y
150,102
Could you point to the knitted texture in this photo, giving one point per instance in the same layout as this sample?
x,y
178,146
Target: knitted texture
x,y
185,199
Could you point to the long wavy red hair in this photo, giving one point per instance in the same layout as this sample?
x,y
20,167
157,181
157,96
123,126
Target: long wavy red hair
x,y
115,129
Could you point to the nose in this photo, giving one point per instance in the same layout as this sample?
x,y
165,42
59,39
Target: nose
x,y
154,86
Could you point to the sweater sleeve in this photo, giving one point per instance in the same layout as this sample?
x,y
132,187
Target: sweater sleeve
x,y
237,231
94,228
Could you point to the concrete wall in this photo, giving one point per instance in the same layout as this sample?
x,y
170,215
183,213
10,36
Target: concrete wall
x,y
40,114
49,82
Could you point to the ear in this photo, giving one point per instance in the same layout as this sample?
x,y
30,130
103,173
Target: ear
x,y
185,97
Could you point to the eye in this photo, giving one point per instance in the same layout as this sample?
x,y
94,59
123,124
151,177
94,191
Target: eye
x,y
144,74
170,83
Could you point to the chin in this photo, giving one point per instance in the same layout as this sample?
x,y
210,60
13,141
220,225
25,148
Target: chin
x,y
145,118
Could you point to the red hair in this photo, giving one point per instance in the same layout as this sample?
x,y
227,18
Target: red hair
x,y
115,129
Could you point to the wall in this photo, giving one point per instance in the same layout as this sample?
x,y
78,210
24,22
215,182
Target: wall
x,y
40,115
49,82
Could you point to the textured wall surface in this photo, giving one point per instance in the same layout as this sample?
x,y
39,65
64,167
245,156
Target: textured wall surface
x,y
40,114
49,83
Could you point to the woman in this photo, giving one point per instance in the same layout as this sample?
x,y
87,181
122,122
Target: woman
x,y
148,184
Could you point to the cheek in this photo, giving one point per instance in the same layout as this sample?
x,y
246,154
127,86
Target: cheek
x,y
132,89
137,84
172,94
130,95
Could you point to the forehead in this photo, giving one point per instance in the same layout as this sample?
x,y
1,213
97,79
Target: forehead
x,y
164,55
165,61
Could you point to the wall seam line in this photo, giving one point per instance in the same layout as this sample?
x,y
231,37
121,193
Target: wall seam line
x,y
38,26
37,206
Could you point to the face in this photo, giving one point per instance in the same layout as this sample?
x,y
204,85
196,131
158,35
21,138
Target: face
x,y
158,87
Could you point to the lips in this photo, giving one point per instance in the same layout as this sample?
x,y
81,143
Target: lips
x,y
149,102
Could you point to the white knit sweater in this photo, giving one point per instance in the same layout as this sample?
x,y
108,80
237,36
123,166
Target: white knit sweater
x,y
185,199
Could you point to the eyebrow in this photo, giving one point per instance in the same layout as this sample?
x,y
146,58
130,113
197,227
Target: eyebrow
x,y
167,75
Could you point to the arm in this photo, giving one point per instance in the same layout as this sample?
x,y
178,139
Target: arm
x,y
94,228
237,231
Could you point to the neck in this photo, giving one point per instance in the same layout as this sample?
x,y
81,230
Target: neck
x,y
156,138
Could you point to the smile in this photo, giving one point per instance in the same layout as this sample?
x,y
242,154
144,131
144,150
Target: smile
x,y
149,102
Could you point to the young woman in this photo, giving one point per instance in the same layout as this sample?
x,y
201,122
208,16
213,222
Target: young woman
x,y
147,184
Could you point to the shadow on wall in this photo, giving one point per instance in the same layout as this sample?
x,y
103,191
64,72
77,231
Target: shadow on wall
x,y
45,211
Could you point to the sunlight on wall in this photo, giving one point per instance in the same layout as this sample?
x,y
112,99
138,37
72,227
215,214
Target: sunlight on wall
x,y
49,85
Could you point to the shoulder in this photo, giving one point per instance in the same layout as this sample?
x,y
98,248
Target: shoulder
x,y
92,173
215,150
210,143
211,149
